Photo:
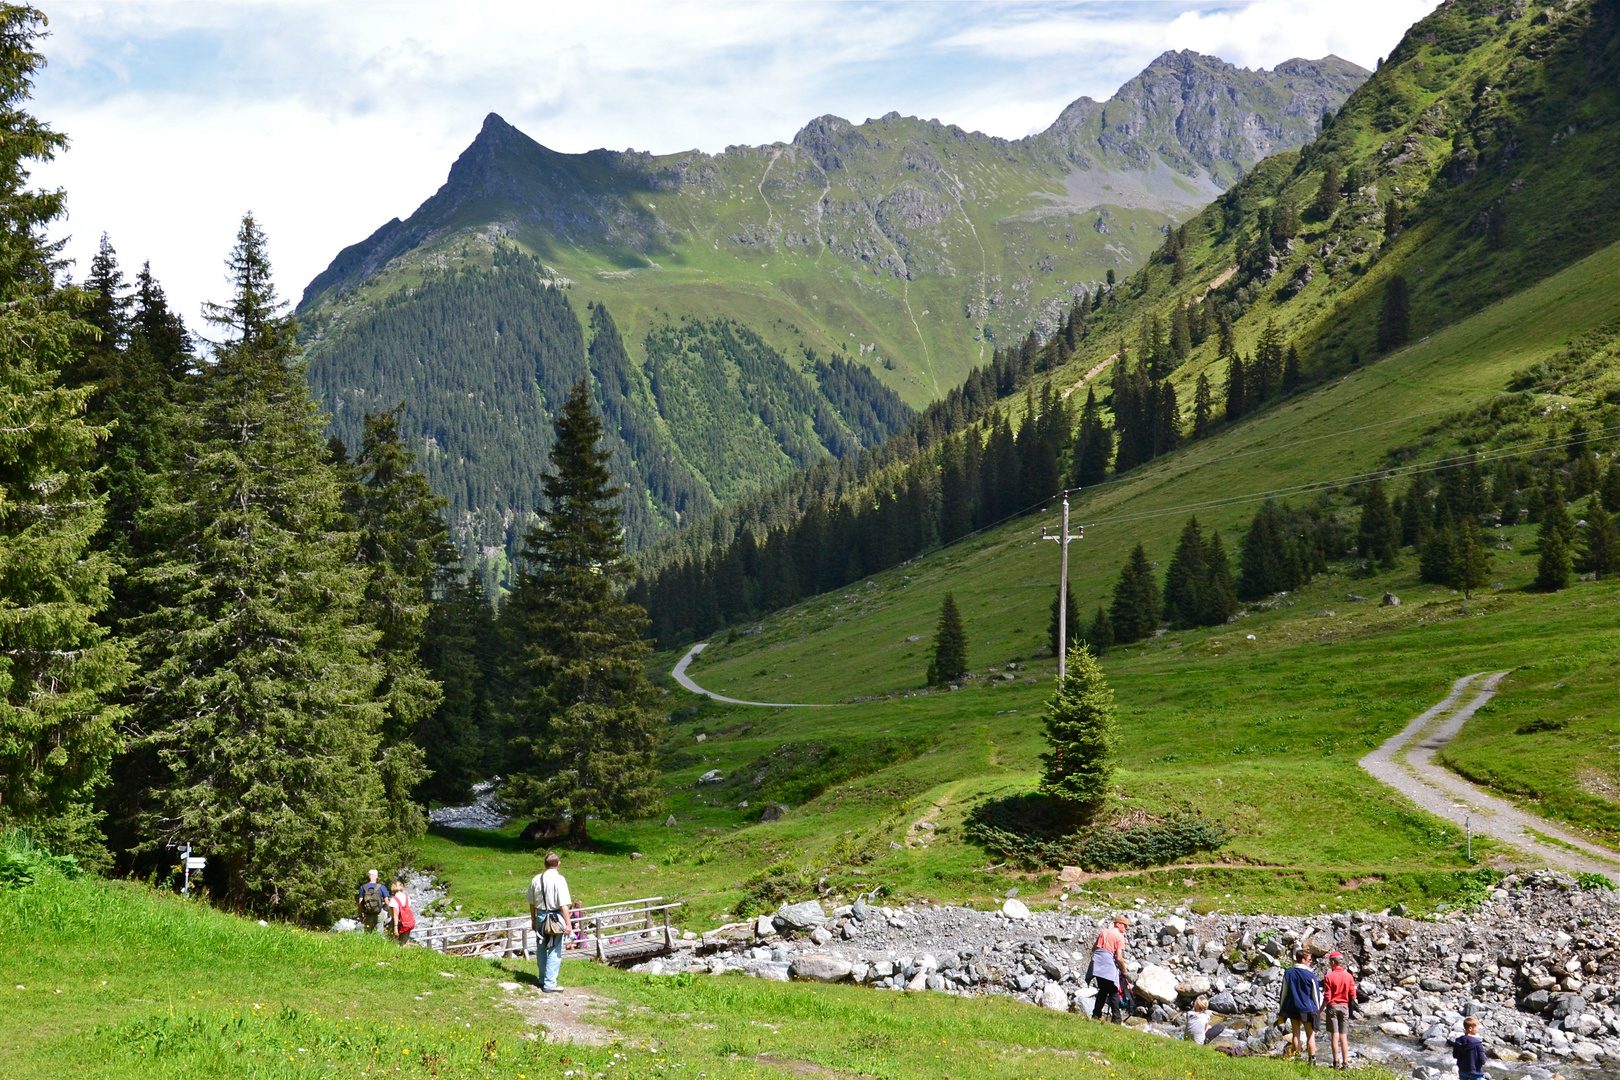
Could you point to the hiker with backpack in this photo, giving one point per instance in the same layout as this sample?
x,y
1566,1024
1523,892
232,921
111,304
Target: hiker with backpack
x,y
1301,1005
550,909
371,901
402,917
1108,970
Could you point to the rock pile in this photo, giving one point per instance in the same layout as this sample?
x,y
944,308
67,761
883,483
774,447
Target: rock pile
x,y
1538,962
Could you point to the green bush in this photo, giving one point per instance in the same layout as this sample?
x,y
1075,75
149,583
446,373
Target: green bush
x,y
1591,881
1035,832
21,862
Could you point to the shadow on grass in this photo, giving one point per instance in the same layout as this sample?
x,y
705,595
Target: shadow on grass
x,y
511,842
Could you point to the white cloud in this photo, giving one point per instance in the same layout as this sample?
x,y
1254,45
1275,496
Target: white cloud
x,y
329,119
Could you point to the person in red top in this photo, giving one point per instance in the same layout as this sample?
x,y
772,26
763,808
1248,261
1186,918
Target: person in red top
x,y
1108,969
1338,991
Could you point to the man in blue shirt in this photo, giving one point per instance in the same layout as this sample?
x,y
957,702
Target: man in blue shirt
x,y
371,901
1301,1004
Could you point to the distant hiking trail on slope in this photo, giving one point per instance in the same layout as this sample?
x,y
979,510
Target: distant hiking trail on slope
x,y
1406,763
686,680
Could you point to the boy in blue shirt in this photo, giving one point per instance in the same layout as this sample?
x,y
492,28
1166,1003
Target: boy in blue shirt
x,y
1301,1004
1469,1052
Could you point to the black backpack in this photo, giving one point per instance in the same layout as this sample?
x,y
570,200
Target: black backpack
x,y
371,897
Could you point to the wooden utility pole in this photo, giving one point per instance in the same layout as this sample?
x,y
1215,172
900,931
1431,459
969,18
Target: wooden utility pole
x,y
1063,539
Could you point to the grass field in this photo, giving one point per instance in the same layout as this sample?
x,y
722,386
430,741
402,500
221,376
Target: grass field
x,y
114,980
1262,735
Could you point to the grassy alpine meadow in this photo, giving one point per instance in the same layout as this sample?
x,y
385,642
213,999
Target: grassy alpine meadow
x,y
1256,725
117,980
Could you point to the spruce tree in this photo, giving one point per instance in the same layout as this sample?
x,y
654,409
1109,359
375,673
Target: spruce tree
x,y
1471,566
1394,315
1099,635
458,646
403,543
1135,609
1075,631
1203,407
1219,597
256,694
59,669
1080,729
1268,563
1185,579
1379,536
578,706
1392,218
1236,389
1553,566
1553,514
1327,193
1292,374
950,645
1600,542
1437,557
1609,492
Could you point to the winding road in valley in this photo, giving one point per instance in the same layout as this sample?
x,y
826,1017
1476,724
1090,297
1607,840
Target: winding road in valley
x,y
686,680
1406,763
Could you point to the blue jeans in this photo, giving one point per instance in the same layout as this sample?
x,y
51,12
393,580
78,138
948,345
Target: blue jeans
x,y
550,959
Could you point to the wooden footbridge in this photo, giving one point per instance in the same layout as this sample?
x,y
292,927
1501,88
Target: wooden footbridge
x,y
613,933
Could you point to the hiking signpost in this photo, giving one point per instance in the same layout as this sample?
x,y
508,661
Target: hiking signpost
x,y
190,862
1062,540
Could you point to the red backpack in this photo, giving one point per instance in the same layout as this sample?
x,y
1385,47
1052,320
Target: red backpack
x,y
407,917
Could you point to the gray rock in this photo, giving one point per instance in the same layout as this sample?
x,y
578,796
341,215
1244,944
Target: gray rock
x,y
1567,1005
1391,600
764,926
1054,997
1224,1003
773,812
934,981
806,915
1015,909
819,967
820,935
669,822
851,931
1023,980
1535,1001
713,776
858,970
1434,986
859,909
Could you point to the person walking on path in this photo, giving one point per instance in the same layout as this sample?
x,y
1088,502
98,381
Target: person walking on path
x,y
1302,1005
371,901
1338,992
1108,968
549,907
399,909
1469,1052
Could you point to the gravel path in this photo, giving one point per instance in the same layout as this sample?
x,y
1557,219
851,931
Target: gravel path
x,y
686,680
1406,763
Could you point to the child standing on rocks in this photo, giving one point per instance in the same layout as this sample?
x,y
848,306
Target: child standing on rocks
x,y
1469,1052
1301,1004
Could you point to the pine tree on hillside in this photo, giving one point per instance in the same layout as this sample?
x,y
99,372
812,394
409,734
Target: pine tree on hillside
x,y
1292,373
1437,555
403,543
1268,563
955,502
1203,408
1394,315
1094,446
1471,566
1268,363
1180,334
1099,635
1379,536
1553,565
1600,542
1392,218
458,649
1135,609
1552,512
1417,509
60,669
1081,731
256,694
1076,632
1236,390
1327,193
1219,597
1185,579
1609,491
578,706
950,645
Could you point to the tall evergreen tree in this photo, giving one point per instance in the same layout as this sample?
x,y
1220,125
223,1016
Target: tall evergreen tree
x,y
1078,770
1185,579
1135,609
1552,512
58,667
1471,567
1379,536
1394,315
1203,407
1392,218
950,645
1437,558
257,688
1292,373
1268,563
1553,564
1609,491
1094,445
1099,635
458,650
1236,389
1220,592
579,707
1327,193
1600,543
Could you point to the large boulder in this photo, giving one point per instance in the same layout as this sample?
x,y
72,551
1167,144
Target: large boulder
x,y
1054,997
819,967
773,811
1015,909
764,926
802,916
1174,925
1224,1003
1396,1028
1193,985
1156,984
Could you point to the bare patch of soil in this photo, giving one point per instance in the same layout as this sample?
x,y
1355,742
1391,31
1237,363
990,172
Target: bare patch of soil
x,y
573,1016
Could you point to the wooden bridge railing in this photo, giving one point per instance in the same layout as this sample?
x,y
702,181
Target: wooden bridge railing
x,y
621,930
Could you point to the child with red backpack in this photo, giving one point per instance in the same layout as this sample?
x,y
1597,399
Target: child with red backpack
x,y
399,906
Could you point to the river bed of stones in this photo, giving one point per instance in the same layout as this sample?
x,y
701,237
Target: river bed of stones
x,y
1537,962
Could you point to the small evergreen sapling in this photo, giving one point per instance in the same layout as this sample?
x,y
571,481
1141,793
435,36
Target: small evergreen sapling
x,y
1083,736
1471,560
950,645
1553,566
1600,544
1099,636
1135,610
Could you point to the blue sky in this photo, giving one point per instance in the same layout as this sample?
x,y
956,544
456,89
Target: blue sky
x,y
328,119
